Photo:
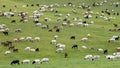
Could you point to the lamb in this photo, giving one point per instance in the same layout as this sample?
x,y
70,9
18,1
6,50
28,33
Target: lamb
x,y
25,61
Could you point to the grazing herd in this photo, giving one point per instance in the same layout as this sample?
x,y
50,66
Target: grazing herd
x,y
27,61
59,47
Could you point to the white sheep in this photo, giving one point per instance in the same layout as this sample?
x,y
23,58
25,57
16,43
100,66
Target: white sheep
x,y
16,39
71,24
79,23
86,25
64,23
36,61
25,61
88,35
46,60
60,46
38,24
111,40
32,50
100,49
59,50
84,39
110,57
27,48
37,38
96,57
88,57
22,38
7,52
29,38
53,41
56,36
84,47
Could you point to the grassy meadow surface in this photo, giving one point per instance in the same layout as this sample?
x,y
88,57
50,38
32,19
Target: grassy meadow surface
x,y
99,36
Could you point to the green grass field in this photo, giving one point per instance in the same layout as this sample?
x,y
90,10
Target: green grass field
x,y
99,36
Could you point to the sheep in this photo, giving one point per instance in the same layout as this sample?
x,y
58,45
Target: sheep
x,y
105,51
60,46
59,50
27,48
113,39
71,24
84,47
37,38
88,35
53,41
56,36
38,24
110,57
18,30
25,61
21,38
15,50
36,61
79,23
46,60
72,37
2,30
29,39
100,49
7,52
44,26
84,39
15,62
92,57
16,39
88,57
96,57
64,24
75,46
32,50
85,25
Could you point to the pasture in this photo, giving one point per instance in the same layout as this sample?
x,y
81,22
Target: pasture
x,y
99,31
